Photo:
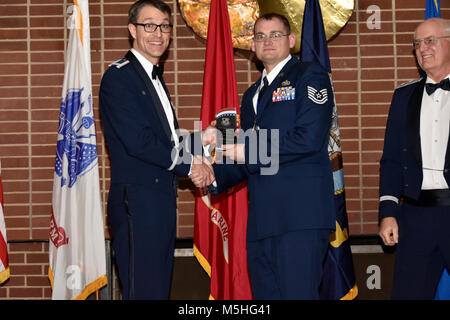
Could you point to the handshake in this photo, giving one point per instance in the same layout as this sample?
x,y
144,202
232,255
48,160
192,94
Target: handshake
x,y
202,172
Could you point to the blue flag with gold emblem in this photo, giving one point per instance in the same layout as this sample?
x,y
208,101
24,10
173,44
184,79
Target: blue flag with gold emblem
x,y
338,281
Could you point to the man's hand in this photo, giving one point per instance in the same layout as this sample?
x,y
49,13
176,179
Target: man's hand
x,y
202,173
235,152
389,231
209,134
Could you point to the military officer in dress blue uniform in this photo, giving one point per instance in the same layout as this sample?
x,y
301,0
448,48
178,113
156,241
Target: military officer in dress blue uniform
x,y
415,169
145,150
291,206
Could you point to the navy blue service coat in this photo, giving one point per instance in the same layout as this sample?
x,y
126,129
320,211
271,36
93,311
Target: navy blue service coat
x,y
300,195
142,195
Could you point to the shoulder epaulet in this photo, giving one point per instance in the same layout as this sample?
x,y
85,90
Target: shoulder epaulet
x,y
408,83
120,63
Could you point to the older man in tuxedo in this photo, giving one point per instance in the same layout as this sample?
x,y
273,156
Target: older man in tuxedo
x,y
414,169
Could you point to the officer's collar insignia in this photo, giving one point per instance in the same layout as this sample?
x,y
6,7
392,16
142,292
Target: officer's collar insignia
x,y
120,63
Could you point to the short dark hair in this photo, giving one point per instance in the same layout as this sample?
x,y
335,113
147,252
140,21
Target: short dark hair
x,y
135,9
273,15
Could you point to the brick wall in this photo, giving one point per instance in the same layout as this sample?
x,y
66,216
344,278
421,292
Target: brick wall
x,y
367,65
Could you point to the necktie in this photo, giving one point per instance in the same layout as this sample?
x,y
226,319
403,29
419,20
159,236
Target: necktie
x,y
157,71
431,87
261,92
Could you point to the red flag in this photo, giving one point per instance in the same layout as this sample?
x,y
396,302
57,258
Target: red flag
x,y
4,267
221,221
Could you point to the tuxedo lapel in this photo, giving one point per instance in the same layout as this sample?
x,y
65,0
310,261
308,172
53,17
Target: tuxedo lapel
x,y
413,121
154,95
447,154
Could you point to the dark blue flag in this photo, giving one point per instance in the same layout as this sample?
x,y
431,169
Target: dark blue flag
x,y
338,281
433,9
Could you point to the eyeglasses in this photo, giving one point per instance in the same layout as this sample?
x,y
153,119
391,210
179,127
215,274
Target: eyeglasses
x,y
428,41
151,27
274,36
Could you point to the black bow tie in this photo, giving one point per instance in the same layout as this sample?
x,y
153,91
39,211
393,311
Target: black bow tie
x,y
431,87
157,71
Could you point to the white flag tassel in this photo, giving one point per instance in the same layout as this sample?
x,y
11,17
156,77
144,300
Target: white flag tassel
x,y
77,241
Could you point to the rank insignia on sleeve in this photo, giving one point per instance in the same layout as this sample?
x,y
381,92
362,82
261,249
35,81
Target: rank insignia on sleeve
x,y
317,96
283,94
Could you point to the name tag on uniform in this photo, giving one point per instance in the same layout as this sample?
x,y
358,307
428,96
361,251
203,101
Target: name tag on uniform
x,y
283,94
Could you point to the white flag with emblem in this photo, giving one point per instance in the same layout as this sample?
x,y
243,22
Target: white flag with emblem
x,y
77,242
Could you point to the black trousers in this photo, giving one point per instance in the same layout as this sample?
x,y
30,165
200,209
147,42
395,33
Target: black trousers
x,y
143,223
423,251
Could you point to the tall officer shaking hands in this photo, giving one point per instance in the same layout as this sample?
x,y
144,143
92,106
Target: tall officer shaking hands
x,y
415,169
145,150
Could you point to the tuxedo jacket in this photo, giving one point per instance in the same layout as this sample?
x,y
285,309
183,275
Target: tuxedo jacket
x,y
136,128
144,163
401,163
296,107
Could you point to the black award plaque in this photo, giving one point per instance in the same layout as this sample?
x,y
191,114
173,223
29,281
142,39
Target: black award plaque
x,y
226,123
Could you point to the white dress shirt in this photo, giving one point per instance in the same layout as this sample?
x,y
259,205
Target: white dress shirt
x,y
163,98
434,134
270,77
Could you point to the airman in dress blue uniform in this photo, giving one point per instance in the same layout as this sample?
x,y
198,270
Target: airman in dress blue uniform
x,y
291,206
